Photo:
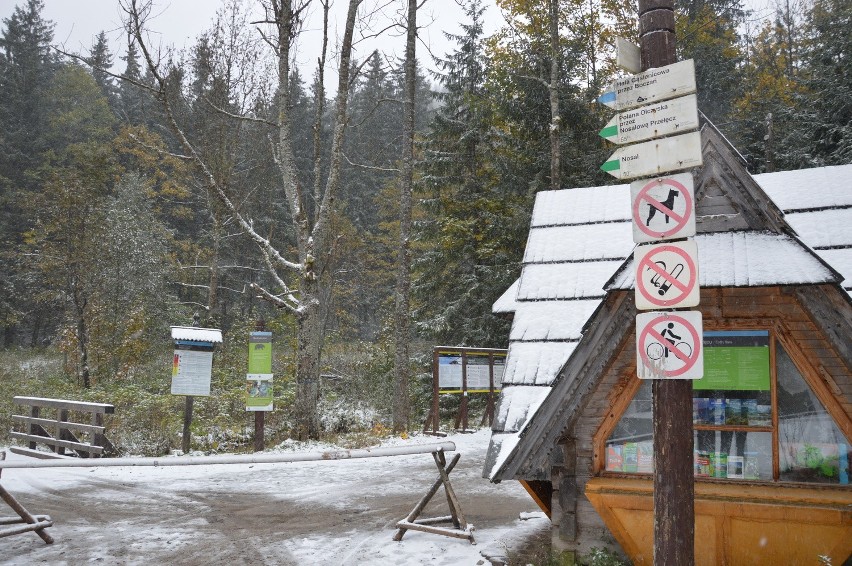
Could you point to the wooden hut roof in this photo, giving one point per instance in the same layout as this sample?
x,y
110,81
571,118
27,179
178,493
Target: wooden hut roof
x,y
787,228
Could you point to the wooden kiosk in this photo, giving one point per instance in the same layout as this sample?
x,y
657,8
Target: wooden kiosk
x,y
773,414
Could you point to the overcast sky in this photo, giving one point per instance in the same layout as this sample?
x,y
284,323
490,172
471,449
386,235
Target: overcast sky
x,y
179,23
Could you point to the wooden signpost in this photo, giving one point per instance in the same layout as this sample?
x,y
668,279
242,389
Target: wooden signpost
x,y
655,157
653,85
669,346
647,122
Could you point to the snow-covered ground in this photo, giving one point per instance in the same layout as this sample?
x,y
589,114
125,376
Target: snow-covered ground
x,y
329,512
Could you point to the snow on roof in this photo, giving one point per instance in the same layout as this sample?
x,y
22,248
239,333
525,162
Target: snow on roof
x,y
579,243
535,363
581,206
213,335
551,320
808,188
824,228
507,303
517,403
748,259
580,237
841,261
565,280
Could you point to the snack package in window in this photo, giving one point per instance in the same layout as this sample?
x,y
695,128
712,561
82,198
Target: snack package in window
x,y
631,457
702,463
646,457
614,461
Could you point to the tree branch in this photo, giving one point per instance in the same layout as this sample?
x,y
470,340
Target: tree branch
x,y
370,167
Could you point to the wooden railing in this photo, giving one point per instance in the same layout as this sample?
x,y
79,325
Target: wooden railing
x,y
60,431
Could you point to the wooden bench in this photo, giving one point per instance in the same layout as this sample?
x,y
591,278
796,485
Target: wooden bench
x,y
61,432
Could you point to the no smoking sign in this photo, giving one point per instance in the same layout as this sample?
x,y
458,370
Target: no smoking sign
x,y
663,208
669,345
666,275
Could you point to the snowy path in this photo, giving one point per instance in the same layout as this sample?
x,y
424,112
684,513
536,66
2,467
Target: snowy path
x,y
337,512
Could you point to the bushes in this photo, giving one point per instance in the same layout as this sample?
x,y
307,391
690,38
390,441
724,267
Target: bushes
x,y
357,394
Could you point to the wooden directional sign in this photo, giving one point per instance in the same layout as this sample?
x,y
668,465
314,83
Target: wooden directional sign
x,y
666,275
663,208
653,85
660,119
656,156
669,345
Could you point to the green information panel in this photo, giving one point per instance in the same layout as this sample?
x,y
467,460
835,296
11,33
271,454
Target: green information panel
x,y
259,377
735,361
260,352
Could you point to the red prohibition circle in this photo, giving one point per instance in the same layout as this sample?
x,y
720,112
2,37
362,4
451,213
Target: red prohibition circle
x,y
648,262
643,195
690,360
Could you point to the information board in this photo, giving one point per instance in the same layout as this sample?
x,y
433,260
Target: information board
x,y
191,371
260,352
259,392
735,360
477,370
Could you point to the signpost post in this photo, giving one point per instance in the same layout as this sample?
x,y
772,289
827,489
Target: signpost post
x,y
259,380
674,484
191,367
660,101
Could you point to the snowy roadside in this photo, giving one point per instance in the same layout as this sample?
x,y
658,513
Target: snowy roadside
x,y
330,512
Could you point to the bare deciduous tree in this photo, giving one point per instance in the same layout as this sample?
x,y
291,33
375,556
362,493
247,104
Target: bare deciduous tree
x,y
298,281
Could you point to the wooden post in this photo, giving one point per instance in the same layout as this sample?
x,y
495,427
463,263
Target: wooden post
x,y
187,422
31,428
434,416
259,416
61,433
463,409
674,488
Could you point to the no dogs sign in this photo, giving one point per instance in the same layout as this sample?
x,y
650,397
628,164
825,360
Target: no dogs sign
x,y
663,208
666,275
669,345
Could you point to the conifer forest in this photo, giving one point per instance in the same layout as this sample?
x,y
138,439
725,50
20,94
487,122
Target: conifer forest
x,y
363,209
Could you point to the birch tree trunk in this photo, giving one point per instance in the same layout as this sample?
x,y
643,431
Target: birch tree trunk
x,y
401,406
553,90
310,224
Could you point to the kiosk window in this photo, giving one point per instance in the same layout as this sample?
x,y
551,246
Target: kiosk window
x,y
736,423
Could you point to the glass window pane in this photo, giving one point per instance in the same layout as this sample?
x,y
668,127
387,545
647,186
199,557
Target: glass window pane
x,y
812,448
738,454
629,448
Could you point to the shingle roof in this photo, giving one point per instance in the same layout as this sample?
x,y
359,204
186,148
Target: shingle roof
x,y
579,240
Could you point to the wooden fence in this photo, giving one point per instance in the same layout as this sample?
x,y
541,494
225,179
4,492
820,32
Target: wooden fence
x,y
60,431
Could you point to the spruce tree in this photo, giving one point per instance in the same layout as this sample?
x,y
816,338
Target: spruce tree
x,y
463,267
27,66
